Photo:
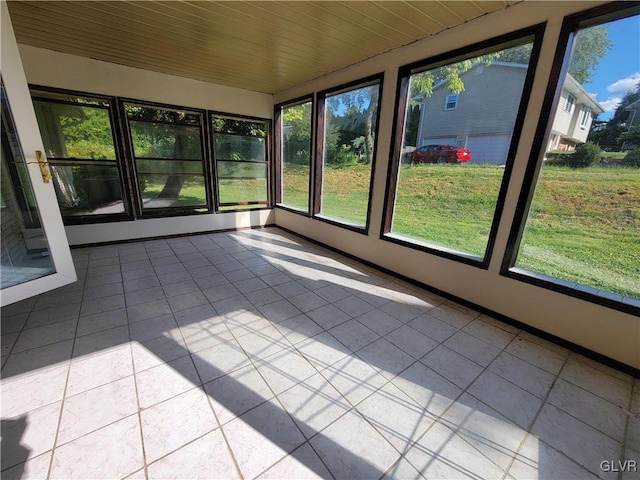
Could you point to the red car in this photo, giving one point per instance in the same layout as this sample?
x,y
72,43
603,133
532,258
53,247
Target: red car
x,y
440,154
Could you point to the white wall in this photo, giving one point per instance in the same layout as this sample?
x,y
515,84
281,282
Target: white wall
x,y
609,332
60,70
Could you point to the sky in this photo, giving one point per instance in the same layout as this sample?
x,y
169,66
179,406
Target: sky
x,y
619,70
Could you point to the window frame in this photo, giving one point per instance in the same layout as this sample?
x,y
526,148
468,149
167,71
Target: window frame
x,y
277,156
120,161
131,156
321,100
454,102
553,95
585,116
515,38
214,162
569,104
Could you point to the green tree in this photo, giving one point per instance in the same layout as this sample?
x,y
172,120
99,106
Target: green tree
x,y
613,133
362,105
590,45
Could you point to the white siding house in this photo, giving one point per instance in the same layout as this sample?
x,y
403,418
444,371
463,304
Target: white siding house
x,y
482,117
574,115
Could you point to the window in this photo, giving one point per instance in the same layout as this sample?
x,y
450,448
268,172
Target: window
x,y
169,160
579,232
349,133
78,137
294,150
240,151
569,103
585,117
451,102
446,193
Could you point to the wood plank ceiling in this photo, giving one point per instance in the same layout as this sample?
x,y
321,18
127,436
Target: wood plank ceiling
x,y
261,46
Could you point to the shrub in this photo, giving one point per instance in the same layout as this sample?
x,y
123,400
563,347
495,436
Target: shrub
x,y
584,156
632,158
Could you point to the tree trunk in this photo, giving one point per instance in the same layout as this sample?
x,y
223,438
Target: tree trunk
x,y
173,184
370,137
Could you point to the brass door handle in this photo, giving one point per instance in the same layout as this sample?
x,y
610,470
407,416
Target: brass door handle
x,y
42,163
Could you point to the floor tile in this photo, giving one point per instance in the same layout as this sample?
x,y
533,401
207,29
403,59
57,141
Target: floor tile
x,y
33,390
379,321
485,429
516,404
100,342
536,459
89,372
101,321
578,441
352,448
411,341
219,360
328,316
165,381
206,457
262,437
97,408
385,357
473,348
452,316
353,335
433,327
313,404
214,329
33,469
284,369
451,365
428,389
591,409
302,463
236,393
524,374
152,353
442,453
606,386
29,434
537,355
298,328
49,356
489,333
173,423
353,378
403,469
399,419
97,455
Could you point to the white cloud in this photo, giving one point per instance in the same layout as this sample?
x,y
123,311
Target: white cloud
x,y
624,84
610,103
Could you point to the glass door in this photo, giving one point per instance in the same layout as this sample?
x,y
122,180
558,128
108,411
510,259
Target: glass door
x,y
35,255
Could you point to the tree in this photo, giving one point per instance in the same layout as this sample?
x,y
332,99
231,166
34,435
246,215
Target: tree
x,y
361,107
590,45
612,134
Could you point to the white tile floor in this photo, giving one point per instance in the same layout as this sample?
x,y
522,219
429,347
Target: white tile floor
x,y
257,355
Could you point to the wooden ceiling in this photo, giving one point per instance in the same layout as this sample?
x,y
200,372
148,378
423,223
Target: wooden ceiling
x,y
261,46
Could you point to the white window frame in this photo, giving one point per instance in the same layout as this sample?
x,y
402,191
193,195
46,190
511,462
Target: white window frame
x,y
451,99
569,103
585,117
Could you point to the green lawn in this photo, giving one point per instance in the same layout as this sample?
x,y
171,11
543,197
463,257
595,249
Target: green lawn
x,y
584,225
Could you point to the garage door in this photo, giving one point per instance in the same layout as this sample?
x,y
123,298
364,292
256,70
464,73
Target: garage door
x,y
489,148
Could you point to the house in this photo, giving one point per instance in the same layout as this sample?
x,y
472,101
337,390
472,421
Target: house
x,y
575,113
205,313
482,117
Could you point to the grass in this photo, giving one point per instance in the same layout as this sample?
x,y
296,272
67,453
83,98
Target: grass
x,y
584,225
